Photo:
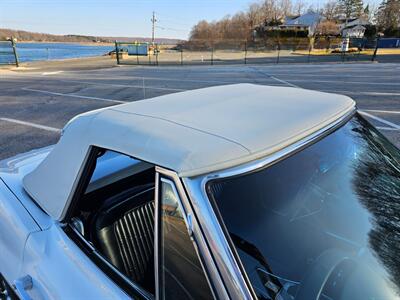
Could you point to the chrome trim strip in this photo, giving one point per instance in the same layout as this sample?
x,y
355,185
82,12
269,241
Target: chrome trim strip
x,y
201,247
222,254
231,270
156,232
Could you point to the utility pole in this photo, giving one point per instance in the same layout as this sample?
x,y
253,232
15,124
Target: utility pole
x,y
153,21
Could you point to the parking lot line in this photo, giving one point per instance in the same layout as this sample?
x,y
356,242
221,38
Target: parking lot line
x,y
167,79
275,78
51,73
379,119
296,74
125,85
73,95
144,90
358,93
30,124
379,94
344,81
285,82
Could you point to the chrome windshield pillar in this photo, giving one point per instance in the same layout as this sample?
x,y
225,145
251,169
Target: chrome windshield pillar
x,y
222,254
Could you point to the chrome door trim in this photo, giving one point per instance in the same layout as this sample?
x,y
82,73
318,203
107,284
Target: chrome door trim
x,y
195,231
223,256
156,231
231,268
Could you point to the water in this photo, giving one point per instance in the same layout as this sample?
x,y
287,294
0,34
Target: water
x,y
6,53
51,51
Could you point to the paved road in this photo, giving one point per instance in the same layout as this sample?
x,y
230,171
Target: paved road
x,y
35,106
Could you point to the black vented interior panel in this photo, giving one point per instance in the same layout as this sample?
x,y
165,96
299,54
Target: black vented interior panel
x,y
123,231
134,233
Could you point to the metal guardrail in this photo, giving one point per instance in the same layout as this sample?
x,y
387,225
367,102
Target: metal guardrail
x,y
8,53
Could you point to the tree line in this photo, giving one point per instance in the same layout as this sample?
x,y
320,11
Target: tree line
x,y
384,18
27,36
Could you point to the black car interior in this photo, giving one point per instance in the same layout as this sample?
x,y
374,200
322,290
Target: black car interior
x,y
118,220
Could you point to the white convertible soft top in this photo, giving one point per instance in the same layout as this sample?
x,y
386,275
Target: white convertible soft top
x,y
193,133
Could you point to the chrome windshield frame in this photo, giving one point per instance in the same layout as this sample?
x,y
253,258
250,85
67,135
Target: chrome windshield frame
x,y
210,269
226,257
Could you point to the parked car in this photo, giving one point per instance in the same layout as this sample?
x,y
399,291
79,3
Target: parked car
x,y
229,192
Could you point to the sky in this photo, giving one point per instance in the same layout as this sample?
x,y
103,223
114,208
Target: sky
x,y
118,18
130,18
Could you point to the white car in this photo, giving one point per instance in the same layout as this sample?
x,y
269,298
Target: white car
x,y
229,192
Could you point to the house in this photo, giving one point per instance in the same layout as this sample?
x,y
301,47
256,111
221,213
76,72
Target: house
x,y
353,28
307,22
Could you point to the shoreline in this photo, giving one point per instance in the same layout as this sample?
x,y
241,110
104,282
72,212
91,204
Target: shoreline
x,y
61,65
74,43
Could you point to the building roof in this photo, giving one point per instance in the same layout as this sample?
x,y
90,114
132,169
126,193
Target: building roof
x,y
193,133
308,19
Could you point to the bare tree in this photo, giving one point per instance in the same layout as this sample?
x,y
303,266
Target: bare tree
x,y
388,15
327,28
299,7
330,10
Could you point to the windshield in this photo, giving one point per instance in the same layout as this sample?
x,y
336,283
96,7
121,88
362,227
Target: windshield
x,y
321,224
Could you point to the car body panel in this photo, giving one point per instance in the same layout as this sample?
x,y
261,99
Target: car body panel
x,y
13,170
61,270
16,224
35,245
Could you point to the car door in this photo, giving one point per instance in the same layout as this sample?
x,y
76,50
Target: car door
x,y
16,224
59,269
101,250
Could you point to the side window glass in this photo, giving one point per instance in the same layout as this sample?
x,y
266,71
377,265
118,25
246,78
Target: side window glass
x,y
115,213
181,274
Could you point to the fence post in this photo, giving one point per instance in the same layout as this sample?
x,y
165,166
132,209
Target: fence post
x,y
148,54
310,47
117,52
376,48
245,52
15,52
156,55
279,52
181,56
212,55
137,54
343,54
328,47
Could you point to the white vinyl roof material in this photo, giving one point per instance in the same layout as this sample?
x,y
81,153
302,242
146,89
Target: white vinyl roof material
x,y
193,133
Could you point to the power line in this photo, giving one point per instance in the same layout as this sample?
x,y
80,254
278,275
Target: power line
x,y
174,22
173,29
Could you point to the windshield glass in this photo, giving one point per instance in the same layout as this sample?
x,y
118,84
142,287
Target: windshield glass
x,y
321,224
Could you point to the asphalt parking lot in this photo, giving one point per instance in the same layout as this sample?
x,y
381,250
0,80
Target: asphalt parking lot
x,y
34,106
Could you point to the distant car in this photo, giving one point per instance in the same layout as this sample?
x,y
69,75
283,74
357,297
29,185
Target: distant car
x,y
229,192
